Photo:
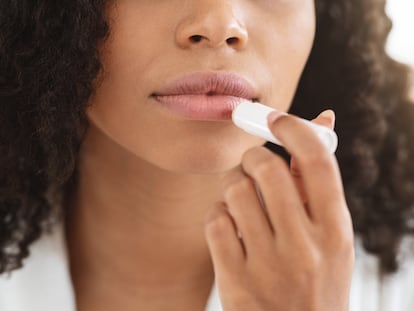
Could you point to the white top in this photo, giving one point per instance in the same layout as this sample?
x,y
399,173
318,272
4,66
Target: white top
x,y
44,284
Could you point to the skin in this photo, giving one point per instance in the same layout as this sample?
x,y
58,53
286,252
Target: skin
x,y
160,198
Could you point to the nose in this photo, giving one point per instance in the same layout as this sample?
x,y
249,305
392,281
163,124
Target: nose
x,y
212,24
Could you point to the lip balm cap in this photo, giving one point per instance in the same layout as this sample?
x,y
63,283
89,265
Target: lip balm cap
x,y
252,118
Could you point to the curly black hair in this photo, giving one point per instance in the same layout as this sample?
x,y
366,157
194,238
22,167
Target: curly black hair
x,y
49,64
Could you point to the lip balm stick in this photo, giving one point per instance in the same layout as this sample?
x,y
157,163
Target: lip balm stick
x,y
252,118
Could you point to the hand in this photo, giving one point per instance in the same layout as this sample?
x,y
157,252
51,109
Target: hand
x,y
296,251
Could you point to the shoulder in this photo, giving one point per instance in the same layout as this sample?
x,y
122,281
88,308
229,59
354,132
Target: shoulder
x,y
45,273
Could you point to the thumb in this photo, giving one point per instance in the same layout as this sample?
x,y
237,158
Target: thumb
x,y
326,118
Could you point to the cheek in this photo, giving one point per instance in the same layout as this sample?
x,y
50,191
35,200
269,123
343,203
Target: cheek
x,y
285,46
120,107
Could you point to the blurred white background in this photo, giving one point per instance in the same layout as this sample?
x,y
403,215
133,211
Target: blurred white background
x,y
401,39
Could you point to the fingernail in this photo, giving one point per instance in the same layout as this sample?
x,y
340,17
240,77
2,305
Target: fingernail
x,y
329,114
274,115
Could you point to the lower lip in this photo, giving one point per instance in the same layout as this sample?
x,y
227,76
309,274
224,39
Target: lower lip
x,y
200,107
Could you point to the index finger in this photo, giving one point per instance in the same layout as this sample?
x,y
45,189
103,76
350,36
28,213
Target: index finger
x,y
326,118
319,169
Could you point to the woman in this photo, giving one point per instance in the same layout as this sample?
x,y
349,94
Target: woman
x,y
116,135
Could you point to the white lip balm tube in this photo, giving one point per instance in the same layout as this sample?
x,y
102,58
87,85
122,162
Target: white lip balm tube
x,y
252,118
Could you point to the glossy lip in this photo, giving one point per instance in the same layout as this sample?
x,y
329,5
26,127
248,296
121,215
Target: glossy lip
x,y
205,96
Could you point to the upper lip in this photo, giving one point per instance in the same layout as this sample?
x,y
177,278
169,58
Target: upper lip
x,y
199,83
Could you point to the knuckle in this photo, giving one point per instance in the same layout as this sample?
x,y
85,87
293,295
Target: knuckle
x,y
261,162
314,260
267,167
237,188
340,247
252,153
233,179
309,268
340,240
218,225
256,155
343,240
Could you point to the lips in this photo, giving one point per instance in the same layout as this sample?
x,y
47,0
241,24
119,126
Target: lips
x,y
205,96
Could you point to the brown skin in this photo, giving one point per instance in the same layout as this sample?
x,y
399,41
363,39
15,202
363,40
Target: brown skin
x,y
297,256
148,178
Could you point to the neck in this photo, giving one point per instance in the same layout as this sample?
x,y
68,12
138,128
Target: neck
x,y
132,224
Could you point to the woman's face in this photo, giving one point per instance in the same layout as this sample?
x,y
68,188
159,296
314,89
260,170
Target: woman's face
x,y
201,56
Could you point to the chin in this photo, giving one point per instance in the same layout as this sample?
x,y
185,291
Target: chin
x,y
196,154
203,160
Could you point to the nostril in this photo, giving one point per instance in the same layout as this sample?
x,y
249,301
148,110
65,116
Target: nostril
x,y
232,40
196,38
